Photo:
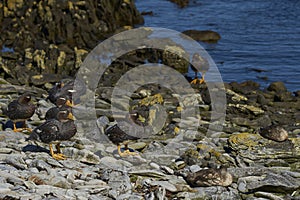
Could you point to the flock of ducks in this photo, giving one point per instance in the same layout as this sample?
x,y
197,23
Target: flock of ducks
x,y
59,121
59,126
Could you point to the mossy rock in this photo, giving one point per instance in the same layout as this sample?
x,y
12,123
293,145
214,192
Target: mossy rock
x,y
244,141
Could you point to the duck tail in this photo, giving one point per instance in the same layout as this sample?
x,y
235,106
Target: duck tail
x,y
32,136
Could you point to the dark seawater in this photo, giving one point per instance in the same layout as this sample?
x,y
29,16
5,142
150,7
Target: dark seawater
x,y
256,34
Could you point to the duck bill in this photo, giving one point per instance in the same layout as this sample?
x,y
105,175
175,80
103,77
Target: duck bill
x,y
69,103
71,116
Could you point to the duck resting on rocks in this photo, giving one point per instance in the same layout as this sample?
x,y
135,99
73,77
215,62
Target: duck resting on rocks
x,y
20,110
53,131
274,132
209,177
67,89
117,136
61,90
61,104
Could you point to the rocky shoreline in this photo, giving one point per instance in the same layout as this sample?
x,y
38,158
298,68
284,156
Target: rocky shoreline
x,y
260,168
45,40
237,160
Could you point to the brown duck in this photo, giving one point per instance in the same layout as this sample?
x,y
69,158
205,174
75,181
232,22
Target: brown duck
x,y
274,132
53,131
66,89
118,137
61,104
61,90
209,177
20,110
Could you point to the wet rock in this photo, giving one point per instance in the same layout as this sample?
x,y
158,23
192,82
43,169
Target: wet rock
x,y
282,183
284,97
297,93
119,183
181,3
277,87
251,123
147,13
205,36
55,48
82,155
262,100
246,87
268,196
175,56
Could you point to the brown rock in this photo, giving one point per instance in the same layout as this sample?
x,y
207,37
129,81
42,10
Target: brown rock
x,y
245,87
181,3
277,87
204,36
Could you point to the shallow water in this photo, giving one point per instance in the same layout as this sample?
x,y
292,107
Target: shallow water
x,y
262,35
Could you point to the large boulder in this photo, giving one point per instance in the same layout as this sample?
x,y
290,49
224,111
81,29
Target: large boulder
x,y
181,3
204,36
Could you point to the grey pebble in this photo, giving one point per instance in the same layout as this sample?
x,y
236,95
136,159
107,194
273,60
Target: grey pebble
x,y
15,180
16,161
40,164
242,186
154,165
110,162
5,150
165,184
54,163
30,185
5,187
119,183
